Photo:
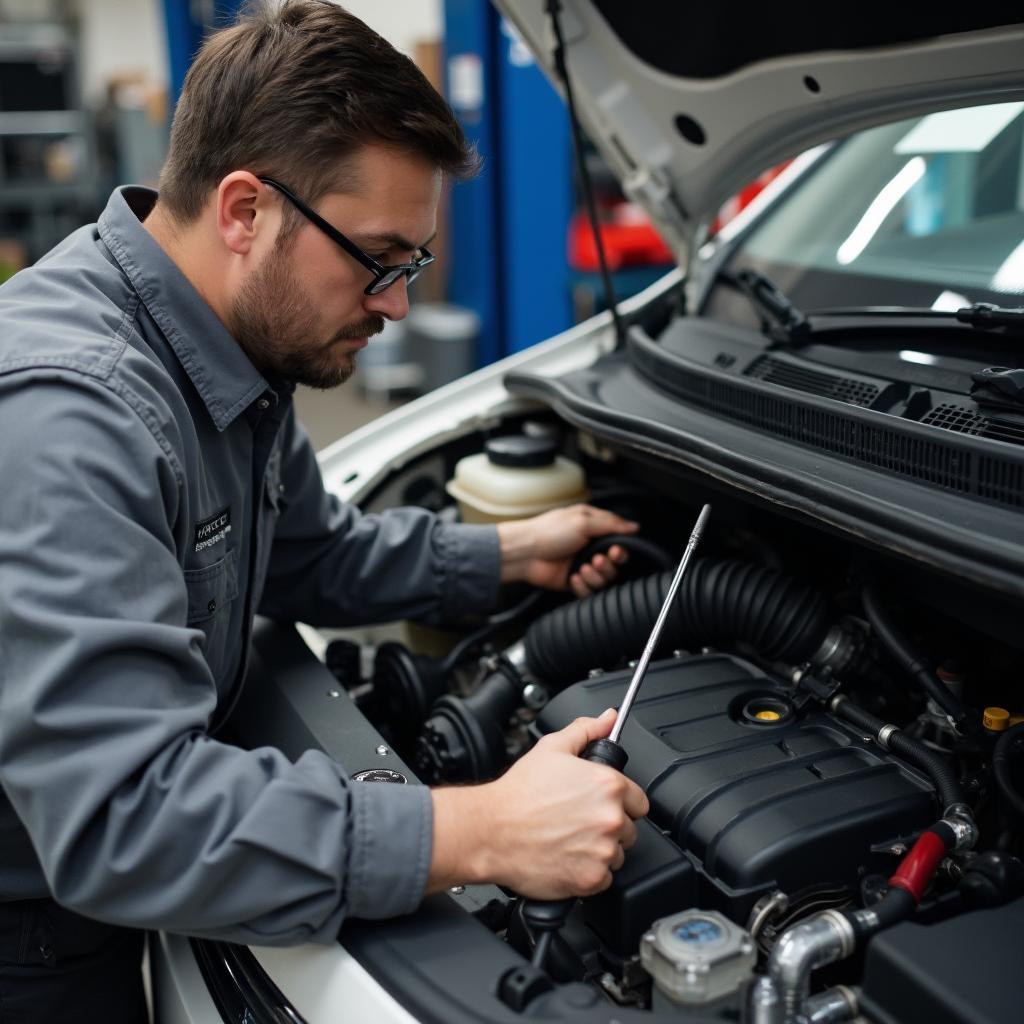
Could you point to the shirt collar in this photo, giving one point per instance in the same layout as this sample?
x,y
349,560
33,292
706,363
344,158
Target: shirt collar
x,y
226,380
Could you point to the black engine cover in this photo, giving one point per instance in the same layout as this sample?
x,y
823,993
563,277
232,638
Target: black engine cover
x,y
757,804
962,971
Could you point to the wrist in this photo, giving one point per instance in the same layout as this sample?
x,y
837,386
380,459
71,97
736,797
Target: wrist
x,y
516,543
463,849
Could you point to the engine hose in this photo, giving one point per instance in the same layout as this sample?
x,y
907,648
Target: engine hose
x,y
637,547
719,603
946,783
901,650
1008,748
908,883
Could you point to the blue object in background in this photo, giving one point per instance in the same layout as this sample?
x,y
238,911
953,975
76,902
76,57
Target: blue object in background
x,y
474,276
509,226
535,198
187,22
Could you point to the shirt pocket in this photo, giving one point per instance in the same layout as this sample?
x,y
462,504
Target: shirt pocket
x,y
211,592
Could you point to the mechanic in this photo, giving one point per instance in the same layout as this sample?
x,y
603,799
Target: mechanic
x,y
159,492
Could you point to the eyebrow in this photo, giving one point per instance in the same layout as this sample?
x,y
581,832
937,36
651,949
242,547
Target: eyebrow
x,y
393,241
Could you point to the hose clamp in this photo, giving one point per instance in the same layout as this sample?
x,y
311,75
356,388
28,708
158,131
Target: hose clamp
x,y
515,656
843,928
830,647
868,919
535,696
885,734
959,819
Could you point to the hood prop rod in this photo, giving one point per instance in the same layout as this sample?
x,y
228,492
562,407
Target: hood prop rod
x,y
553,8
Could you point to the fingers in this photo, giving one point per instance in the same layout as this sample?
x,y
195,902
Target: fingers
x,y
635,801
598,572
627,835
574,737
618,859
600,521
615,555
595,574
578,587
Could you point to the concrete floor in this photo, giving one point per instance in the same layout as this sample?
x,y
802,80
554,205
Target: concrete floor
x,y
328,415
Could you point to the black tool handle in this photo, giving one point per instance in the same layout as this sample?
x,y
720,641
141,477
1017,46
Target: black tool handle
x,y
546,917
606,752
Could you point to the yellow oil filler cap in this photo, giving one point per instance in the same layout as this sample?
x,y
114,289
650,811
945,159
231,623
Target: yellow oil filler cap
x,y
996,719
767,716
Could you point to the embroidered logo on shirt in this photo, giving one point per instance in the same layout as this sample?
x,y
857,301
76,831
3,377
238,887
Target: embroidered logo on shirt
x,y
213,530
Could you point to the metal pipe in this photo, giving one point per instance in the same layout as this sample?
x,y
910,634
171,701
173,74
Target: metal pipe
x,y
831,1006
822,939
763,1003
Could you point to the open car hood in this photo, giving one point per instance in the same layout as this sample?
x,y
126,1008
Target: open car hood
x,y
688,103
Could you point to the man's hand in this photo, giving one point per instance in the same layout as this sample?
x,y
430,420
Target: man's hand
x,y
540,550
553,826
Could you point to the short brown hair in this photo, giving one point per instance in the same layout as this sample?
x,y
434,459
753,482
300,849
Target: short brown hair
x,y
289,91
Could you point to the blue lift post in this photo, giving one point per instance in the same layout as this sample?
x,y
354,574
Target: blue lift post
x,y
536,199
187,21
509,226
475,273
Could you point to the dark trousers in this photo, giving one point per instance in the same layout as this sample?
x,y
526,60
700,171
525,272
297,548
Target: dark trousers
x,y
57,967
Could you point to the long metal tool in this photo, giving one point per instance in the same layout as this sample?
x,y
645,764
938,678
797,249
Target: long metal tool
x,y
659,625
545,918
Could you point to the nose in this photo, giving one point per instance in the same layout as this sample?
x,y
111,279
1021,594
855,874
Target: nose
x,y
392,303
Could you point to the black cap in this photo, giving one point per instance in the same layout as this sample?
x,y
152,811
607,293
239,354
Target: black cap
x,y
521,452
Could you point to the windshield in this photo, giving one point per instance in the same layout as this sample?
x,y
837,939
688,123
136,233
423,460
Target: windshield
x,y
925,212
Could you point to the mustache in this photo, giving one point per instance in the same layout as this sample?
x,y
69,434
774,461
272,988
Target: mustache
x,y
361,329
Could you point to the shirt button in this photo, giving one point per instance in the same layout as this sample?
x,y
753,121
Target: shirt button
x,y
212,606
263,403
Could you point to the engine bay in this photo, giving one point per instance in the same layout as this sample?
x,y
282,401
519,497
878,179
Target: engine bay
x,y
828,737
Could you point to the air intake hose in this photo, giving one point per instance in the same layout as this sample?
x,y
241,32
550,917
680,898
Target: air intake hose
x,y
719,603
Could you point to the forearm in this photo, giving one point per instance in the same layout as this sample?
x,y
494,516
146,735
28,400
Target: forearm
x,y
354,568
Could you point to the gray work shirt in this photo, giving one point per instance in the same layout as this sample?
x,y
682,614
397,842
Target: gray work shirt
x,y
157,492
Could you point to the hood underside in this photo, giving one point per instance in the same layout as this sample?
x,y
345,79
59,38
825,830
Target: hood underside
x,y
687,103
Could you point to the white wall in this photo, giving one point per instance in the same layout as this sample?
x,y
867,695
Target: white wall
x,y
129,35
121,36
403,23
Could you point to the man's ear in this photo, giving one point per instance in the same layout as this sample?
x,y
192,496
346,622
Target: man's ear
x,y
244,210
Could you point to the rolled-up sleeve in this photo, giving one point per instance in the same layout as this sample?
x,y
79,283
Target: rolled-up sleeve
x,y
136,815
331,565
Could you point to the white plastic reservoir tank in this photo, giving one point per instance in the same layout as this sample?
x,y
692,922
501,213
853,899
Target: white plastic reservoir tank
x,y
515,477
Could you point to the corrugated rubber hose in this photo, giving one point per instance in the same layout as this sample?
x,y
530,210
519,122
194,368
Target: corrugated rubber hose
x,y
720,603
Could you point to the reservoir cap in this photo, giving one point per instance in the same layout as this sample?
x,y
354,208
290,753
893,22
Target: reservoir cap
x,y
520,451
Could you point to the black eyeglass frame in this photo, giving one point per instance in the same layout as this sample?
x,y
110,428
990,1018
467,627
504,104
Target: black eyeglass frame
x,y
383,277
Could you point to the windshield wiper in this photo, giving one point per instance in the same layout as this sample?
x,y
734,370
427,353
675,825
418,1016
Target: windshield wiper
x,y
780,319
785,324
987,316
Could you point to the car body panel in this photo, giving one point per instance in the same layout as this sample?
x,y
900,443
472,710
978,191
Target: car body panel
x,y
756,115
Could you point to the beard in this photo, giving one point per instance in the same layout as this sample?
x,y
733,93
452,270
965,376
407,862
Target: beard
x,y
273,320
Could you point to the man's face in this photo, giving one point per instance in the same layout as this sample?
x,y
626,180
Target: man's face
x,y
302,313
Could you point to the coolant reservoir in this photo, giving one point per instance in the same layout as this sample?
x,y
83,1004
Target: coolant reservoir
x,y
515,477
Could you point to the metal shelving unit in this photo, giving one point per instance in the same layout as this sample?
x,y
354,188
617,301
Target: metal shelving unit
x,y
48,171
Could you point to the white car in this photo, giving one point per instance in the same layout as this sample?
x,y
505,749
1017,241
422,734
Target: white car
x,y
828,733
